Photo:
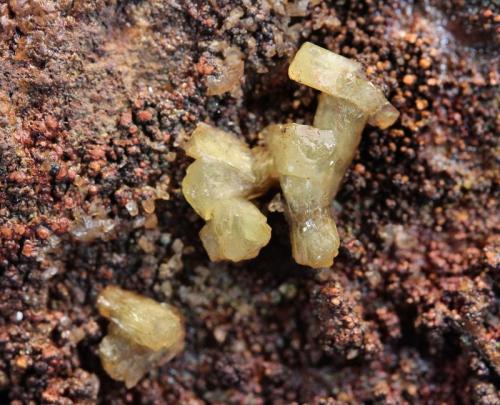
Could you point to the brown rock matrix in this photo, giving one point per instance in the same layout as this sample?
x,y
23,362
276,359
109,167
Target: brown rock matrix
x,y
96,99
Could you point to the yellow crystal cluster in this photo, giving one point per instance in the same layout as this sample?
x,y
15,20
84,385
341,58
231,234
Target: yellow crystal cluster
x,y
308,162
219,184
304,158
142,333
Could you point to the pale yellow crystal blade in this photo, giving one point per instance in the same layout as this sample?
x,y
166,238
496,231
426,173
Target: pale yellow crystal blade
x,y
301,150
347,121
125,361
338,76
207,182
305,159
142,334
236,232
264,170
141,319
315,240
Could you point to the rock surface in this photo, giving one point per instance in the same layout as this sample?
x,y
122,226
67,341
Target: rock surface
x,y
96,99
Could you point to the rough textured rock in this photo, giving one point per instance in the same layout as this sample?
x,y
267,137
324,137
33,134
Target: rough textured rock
x,y
96,98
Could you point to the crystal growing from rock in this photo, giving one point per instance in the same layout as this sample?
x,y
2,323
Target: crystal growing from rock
x,y
341,77
218,185
142,334
309,163
305,159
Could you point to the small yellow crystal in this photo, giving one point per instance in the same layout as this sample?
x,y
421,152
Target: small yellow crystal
x,y
211,143
311,162
218,185
207,182
304,158
341,77
346,121
142,334
237,230
263,169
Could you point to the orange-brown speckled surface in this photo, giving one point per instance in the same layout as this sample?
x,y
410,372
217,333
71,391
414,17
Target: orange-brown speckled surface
x,y
96,98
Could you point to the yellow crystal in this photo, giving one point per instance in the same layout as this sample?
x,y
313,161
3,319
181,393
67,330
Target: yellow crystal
x,y
218,185
309,163
338,76
263,169
142,334
304,158
237,230
347,122
211,143
208,182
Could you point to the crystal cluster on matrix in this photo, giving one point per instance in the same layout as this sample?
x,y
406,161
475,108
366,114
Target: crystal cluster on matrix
x,y
219,184
308,162
142,333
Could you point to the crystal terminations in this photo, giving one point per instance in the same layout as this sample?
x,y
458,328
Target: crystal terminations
x,y
308,162
142,333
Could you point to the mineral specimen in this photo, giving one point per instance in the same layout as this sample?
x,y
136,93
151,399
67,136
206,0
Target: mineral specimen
x,y
312,162
308,161
142,333
347,122
218,185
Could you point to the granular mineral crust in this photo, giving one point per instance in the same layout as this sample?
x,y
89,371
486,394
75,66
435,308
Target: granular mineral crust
x,y
96,101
